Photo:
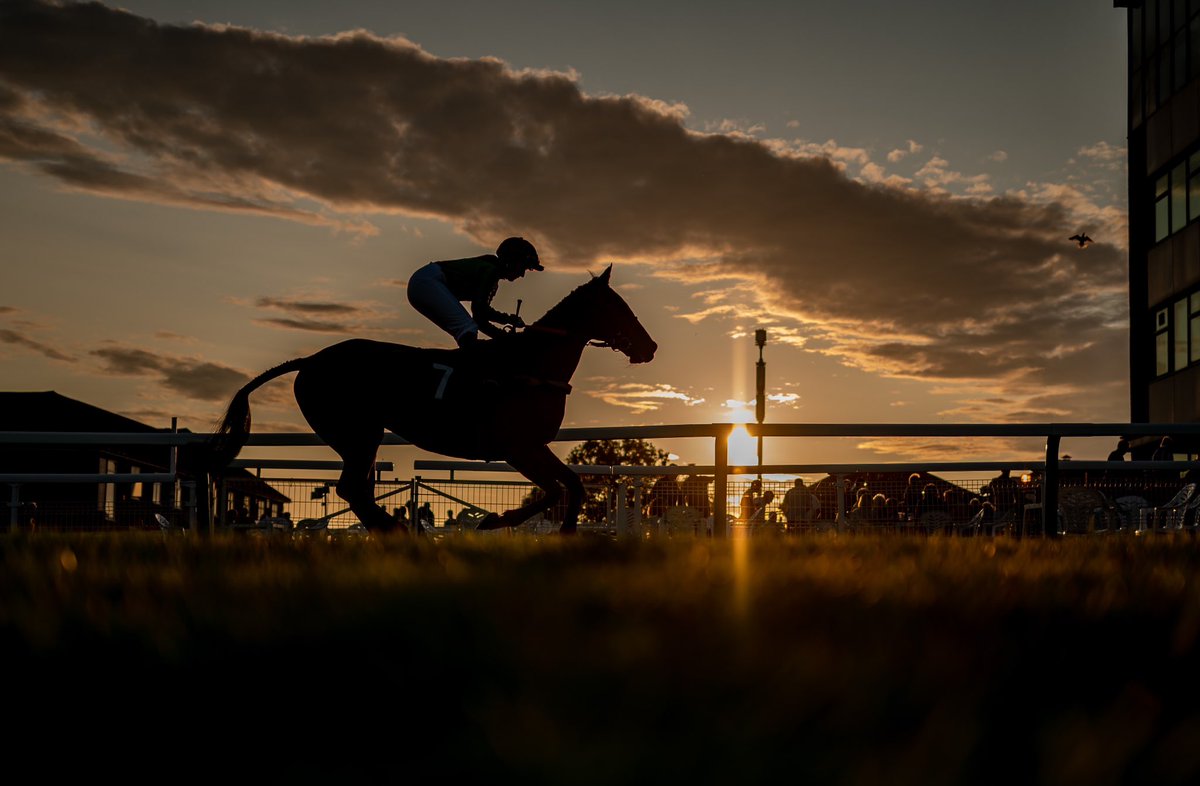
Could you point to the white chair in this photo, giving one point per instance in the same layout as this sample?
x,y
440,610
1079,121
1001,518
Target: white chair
x,y
1184,516
1150,519
165,525
1128,509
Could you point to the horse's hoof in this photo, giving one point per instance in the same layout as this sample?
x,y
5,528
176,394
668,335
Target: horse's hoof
x,y
490,521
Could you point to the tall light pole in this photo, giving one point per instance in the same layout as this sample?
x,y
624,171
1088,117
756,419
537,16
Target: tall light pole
x,y
760,398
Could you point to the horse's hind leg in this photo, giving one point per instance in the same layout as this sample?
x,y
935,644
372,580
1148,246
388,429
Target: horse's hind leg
x,y
356,484
350,427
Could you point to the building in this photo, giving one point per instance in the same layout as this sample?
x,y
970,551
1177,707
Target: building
x,y
94,505
1164,210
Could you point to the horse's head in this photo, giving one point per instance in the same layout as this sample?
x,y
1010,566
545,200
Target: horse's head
x,y
596,311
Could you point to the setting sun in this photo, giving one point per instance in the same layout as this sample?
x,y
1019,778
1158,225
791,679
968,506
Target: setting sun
x,y
743,448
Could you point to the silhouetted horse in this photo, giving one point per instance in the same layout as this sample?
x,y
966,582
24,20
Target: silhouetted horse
x,y
500,400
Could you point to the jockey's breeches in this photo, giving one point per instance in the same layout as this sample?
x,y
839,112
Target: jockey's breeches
x,y
429,294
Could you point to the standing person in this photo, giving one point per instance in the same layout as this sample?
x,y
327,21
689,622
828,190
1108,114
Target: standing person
x,y
664,495
912,496
425,516
1113,477
1005,494
437,290
799,504
695,494
751,500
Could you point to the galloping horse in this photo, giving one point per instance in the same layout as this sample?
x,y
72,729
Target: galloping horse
x,y
503,399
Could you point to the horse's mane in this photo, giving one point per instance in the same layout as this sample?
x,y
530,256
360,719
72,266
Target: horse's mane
x,y
561,312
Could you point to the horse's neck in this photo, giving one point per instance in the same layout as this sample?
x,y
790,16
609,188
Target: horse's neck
x,y
550,353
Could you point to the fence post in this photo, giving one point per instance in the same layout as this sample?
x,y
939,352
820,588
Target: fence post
x,y
412,503
189,486
14,508
1050,488
221,515
636,517
841,502
622,510
721,481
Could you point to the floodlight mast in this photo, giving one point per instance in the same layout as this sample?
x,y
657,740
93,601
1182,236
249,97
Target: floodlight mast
x,y
760,397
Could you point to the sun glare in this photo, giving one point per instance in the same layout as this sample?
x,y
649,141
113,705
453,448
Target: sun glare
x,y
743,448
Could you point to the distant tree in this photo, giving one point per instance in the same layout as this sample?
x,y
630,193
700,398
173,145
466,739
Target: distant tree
x,y
604,452
630,452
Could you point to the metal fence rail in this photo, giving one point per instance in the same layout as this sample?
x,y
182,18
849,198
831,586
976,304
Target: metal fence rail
x,y
1152,482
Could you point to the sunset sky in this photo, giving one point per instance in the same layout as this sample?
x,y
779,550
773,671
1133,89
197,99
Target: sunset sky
x,y
192,192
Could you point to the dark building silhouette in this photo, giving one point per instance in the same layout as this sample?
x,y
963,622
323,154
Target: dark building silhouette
x,y
103,505
1164,212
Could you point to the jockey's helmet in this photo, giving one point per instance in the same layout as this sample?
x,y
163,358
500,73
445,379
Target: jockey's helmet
x,y
519,252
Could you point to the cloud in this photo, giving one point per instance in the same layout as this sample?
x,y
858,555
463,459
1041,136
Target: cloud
x,y
903,152
640,397
191,377
891,277
958,449
998,156
1103,154
306,306
318,316
18,339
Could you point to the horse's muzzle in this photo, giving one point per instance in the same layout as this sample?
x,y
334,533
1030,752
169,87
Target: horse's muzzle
x,y
643,354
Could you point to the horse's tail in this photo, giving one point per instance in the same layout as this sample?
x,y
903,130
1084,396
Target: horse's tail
x,y
230,437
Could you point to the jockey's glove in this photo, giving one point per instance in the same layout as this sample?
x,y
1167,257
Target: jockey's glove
x,y
512,319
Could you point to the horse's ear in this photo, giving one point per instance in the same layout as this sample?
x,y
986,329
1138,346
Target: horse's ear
x,y
606,274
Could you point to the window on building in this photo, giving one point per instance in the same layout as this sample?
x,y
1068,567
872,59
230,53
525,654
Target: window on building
x,y
1179,211
1162,208
1162,343
1177,197
1194,328
1177,335
136,489
1194,187
107,501
1181,334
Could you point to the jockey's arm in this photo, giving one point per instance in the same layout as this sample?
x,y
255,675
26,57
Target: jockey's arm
x,y
484,315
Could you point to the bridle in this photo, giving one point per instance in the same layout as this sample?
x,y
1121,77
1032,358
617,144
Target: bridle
x,y
619,343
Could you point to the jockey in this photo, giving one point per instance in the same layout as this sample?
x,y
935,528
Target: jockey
x,y
437,289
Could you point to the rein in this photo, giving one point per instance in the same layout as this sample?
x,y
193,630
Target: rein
x,y
591,342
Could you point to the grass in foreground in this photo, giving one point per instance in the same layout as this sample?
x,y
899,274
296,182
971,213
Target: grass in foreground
x,y
856,660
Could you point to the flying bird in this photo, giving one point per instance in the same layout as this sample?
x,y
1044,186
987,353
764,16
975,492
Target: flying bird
x,y
1082,239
